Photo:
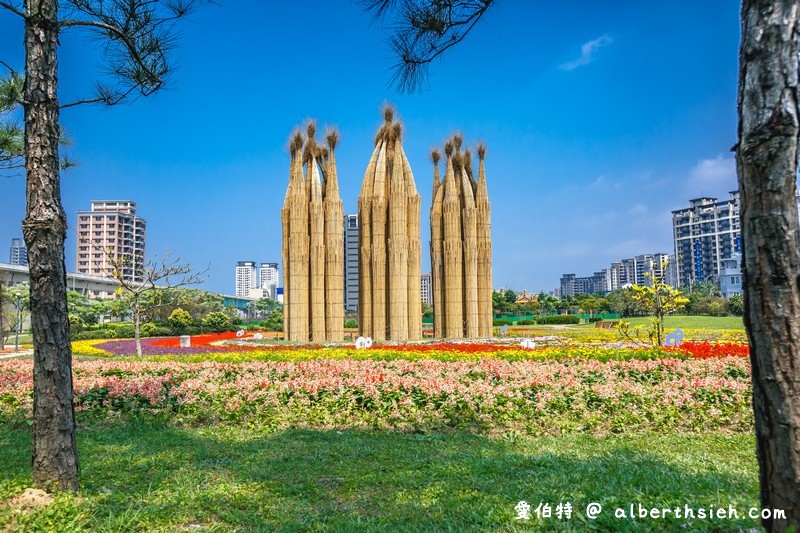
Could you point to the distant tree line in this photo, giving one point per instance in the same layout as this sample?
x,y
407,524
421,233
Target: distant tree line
x,y
704,299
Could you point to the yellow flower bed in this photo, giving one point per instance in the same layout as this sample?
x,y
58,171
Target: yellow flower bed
x,y
87,348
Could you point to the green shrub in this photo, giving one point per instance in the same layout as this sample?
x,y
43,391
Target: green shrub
x,y
595,319
275,320
124,331
76,325
92,334
180,321
216,321
121,329
497,323
350,323
736,305
526,322
148,329
560,319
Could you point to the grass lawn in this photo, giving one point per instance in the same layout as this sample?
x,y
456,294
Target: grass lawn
x,y
694,322
141,476
686,322
24,338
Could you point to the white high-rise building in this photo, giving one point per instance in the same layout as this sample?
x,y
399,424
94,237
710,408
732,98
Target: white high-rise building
x,y
246,278
425,289
648,267
268,278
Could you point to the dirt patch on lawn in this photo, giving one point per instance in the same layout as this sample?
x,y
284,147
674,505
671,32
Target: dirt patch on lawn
x,y
30,499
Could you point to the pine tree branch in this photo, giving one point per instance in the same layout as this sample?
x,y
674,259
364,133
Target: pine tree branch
x,y
117,34
425,29
13,9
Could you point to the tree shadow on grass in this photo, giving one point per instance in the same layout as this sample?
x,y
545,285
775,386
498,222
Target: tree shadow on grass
x,y
160,477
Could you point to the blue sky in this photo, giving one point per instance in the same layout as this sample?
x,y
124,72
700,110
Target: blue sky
x,y
600,119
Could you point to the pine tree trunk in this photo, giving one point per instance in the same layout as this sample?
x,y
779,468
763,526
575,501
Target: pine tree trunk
x,y
55,455
767,168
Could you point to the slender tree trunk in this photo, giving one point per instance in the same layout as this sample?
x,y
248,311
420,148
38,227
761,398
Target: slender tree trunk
x,y
767,169
55,455
3,323
137,320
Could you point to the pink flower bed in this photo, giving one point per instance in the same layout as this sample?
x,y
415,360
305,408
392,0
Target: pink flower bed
x,y
487,394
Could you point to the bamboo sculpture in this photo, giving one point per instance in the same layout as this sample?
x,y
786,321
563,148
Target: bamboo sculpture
x,y
313,252
461,248
484,232
437,272
390,305
334,246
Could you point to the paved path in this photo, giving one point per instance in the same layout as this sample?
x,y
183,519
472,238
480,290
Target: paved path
x,y
10,355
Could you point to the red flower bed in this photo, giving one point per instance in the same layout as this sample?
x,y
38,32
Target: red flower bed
x,y
706,350
204,341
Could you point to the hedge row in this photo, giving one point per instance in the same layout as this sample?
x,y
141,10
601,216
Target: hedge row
x,y
555,319
127,331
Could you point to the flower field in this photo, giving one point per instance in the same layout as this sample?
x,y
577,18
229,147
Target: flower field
x,y
565,384
478,386
227,347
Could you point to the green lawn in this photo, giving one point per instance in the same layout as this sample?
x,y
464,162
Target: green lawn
x,y
140,476
684,322
24,338
694,322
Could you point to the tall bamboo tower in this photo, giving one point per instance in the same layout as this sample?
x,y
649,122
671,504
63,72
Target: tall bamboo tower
x,y
312,243
334,246
484,239
390,304
461,248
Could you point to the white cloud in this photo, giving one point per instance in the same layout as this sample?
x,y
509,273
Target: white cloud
x,y
639,209
711,176
587,53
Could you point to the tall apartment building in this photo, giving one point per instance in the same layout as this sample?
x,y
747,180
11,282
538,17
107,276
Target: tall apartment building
x,y
351,263
708,242
246,278
19,252
111,233
425,289
269,277
705,234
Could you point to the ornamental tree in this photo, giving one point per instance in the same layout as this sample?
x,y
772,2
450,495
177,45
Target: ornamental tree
x,y
158,274
658,300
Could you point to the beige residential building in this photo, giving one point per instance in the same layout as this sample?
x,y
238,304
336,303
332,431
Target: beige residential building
x,y
111,232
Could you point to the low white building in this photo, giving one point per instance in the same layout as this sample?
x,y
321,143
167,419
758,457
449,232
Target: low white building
x,y
730,276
